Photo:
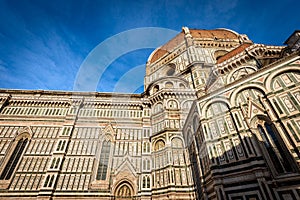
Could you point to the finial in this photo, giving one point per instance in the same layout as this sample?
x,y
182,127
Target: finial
x,y
185,30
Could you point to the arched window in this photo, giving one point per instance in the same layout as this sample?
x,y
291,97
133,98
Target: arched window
x,y
155,89
181,86
146,182
219,53
14,159
187,105
172,104
170,69
160,144
103,161
171,72
276,152
169,85
244,95
285,80
124,191
216,108
158,108
177,143
240,73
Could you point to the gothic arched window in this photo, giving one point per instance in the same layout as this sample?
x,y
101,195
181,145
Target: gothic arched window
x,y
244,95
276,152
103,161
146,182
124,191
14,159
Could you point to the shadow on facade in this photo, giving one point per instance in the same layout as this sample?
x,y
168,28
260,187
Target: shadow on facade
x,y
252,169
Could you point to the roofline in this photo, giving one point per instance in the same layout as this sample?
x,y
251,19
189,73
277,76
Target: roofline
x,y
161,47
285,42
152,54
70,93
226,29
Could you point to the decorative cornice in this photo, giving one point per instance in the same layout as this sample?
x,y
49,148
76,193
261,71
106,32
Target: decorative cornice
x,y
167,94
256,51
38,103
227,87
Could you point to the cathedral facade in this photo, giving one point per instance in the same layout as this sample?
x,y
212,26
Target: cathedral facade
x,y
219,119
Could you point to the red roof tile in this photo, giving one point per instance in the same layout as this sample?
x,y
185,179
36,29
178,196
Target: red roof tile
x,y
234,52
218,33
214,34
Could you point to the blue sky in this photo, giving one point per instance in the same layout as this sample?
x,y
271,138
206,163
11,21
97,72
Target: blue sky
x,y
43,43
